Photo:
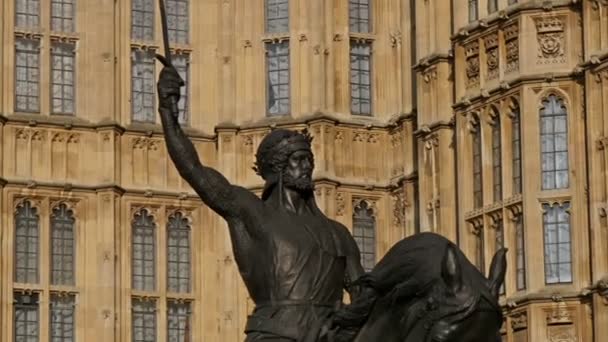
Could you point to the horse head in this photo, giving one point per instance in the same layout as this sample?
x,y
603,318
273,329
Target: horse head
x,y
416,295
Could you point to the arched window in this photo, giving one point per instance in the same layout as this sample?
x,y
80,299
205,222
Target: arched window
x,y
178,254
62,246
496,159
558,243
364,232
500,242
520,252
477,169
143,261
554,143
27,244
516,150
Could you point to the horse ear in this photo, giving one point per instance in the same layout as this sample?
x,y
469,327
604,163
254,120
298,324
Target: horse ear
x,y
497,271
450,269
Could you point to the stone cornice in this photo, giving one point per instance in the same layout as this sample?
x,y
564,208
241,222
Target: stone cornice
x,y
2,182
496,19
557,294
320,117
433,59
426,129
64,122
484,95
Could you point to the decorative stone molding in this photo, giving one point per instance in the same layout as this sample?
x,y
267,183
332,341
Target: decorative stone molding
x,y
511,35
145,143
551,40
492,58
395,39
399,206
559,315
371,204
519,321
340,204
429,74
472,64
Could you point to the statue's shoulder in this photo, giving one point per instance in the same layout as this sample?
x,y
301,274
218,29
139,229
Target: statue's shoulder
x,y
344,238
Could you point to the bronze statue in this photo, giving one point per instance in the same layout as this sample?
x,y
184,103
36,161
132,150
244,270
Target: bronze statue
x,y
295,261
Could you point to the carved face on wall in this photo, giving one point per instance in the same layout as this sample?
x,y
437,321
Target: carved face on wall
x,y
297,173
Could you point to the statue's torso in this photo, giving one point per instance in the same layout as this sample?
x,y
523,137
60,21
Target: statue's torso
x,y
298,258
294,273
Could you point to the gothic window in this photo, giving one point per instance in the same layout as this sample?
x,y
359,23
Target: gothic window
x,y
277,67
496,159
62,246
520,253
178,254
360,78
62,15
62,78
480,249
181,62
178,322
472,10
26,318
143,252
277,16
142,19
557,240
554,144
477,169
516,150
364,233
500,243
178,21
26,244
27,75
27,13
492,6
143,91
143,320
359,15
62,318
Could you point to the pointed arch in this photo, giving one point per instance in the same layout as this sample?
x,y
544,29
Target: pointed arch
x,y
143,251
496,154
364,233
26,243
553,128
477,165
179,268
62,245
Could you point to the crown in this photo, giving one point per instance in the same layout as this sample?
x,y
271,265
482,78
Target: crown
x,y
549,24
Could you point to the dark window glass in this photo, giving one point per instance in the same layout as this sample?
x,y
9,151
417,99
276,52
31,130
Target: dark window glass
x,y
27,13
27,244
554,144
359,15
178,322
62,78
516,150
558,248
62,318
520,253
62,246
26,318
277,16
143,251
27,75
360,78
143,86
364,232
477,169
62,15
142,19
496,160
178,254
277,66
143,320
181,63
178,20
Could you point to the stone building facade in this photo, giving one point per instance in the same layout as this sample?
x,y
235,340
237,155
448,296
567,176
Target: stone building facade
x,y
482,120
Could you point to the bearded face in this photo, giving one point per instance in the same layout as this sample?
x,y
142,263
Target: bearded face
x,y
297,173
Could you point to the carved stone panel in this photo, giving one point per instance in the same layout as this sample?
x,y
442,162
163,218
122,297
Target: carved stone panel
x,y
472,64
551,40
492,58
511,34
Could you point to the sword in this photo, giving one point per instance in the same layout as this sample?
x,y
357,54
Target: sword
x,y
167,59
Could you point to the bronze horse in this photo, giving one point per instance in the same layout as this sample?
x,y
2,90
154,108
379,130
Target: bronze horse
x,y
423,290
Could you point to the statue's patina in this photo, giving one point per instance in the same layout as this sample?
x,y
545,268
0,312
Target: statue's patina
x,y
296,262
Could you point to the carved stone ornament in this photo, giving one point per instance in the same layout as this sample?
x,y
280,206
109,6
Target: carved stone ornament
x,y
519,321
472,64
551,40
340,204
559,316
399,205
492,62
562,333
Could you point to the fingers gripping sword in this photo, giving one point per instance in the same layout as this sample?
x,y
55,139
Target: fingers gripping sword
x,y
167,58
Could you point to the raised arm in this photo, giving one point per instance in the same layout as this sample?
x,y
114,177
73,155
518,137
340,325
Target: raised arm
x,y
213,188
